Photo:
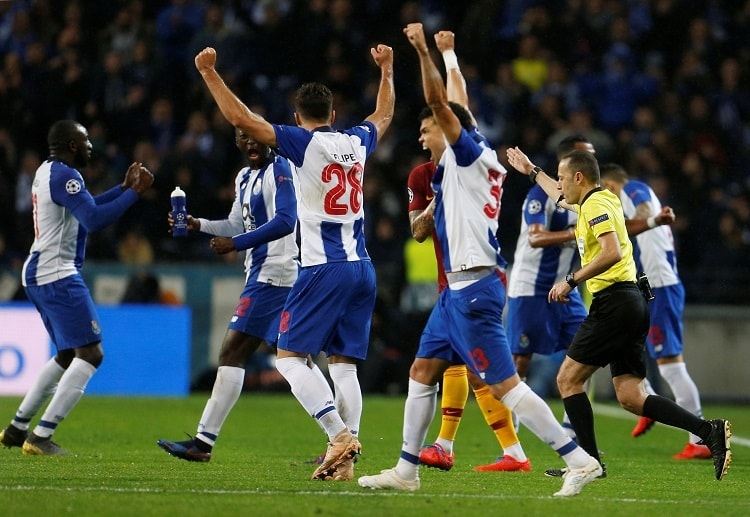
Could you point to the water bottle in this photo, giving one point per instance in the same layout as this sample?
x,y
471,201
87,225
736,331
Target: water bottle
x,y
179,213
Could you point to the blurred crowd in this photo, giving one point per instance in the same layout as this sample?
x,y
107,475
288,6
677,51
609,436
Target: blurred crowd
x,y
659,86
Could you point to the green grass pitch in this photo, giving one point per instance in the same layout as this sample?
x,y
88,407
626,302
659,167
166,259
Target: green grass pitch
x,y
258,466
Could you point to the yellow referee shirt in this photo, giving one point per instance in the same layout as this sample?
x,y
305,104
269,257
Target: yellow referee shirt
x,y
600,213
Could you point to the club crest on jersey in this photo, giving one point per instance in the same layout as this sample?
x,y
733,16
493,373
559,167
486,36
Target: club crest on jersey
x,y
534,206
95,327
598,219
256,188
72,186
411,194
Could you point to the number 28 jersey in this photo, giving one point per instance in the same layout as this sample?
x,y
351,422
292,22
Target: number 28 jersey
x,y
330,166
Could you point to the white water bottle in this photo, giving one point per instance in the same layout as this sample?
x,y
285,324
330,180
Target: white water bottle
x,y
179,213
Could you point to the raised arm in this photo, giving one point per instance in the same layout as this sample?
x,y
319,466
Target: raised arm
x,y
435,93
233,109
383,114
519,161
455,82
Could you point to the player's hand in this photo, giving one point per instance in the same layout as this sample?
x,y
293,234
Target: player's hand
x,y
559,292
206,59
666,216
445,40
519,161
383,55
143,181
415,33
130,176
193,224
222,245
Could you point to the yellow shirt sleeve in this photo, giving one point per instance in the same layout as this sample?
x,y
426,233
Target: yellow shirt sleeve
x,y
602,213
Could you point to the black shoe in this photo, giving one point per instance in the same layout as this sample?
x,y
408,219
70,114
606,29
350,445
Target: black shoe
x,y
558,473
12,436
38,446
718,442
186,450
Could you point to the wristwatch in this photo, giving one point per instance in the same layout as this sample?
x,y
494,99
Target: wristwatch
x,y
571,281
532,175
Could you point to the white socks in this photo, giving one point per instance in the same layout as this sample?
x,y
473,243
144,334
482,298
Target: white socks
x,y
225,393
419,411
348,392
538,417
69,391
684,389
312,392
44,386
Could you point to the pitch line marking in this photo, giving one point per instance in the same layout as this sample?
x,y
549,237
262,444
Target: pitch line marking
x,y
363,493
617,412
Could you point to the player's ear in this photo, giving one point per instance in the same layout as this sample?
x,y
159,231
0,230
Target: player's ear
x,y
297,119
333,116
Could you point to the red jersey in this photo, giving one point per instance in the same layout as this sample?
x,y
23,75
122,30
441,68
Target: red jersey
x,y
420,195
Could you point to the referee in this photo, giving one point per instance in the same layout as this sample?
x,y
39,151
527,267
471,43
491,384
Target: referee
x,y
614,332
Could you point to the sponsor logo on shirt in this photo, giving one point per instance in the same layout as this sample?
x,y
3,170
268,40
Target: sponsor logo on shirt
x,y
598,219
534,206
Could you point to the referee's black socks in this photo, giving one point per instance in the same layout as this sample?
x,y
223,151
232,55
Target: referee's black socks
x,y
581,416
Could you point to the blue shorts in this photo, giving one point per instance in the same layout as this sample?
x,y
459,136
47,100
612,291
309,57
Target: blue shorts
x,y
665,333
466,326
258,311
68,312
329,310
536,326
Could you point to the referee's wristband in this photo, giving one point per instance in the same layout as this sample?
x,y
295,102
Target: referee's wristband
x,y
532,175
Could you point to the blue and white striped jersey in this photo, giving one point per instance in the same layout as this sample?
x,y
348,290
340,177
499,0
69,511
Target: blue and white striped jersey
x,y
535,270
653,249
468,185
64,212
330,166
262,221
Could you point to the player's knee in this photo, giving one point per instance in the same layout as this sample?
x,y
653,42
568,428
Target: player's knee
x,y
426,372
237,355
522,364
93,354
563,383
630,398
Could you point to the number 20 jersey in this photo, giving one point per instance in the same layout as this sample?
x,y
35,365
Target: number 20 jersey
x,y
330,166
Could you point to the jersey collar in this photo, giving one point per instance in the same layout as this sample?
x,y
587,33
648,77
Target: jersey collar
x,y
588,194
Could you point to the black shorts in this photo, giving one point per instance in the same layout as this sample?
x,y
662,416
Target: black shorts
x,y
614,332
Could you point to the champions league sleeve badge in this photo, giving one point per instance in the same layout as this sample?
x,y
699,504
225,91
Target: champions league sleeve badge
x,y
73,186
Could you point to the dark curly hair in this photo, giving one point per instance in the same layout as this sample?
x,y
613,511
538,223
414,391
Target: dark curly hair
x,y
464,117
